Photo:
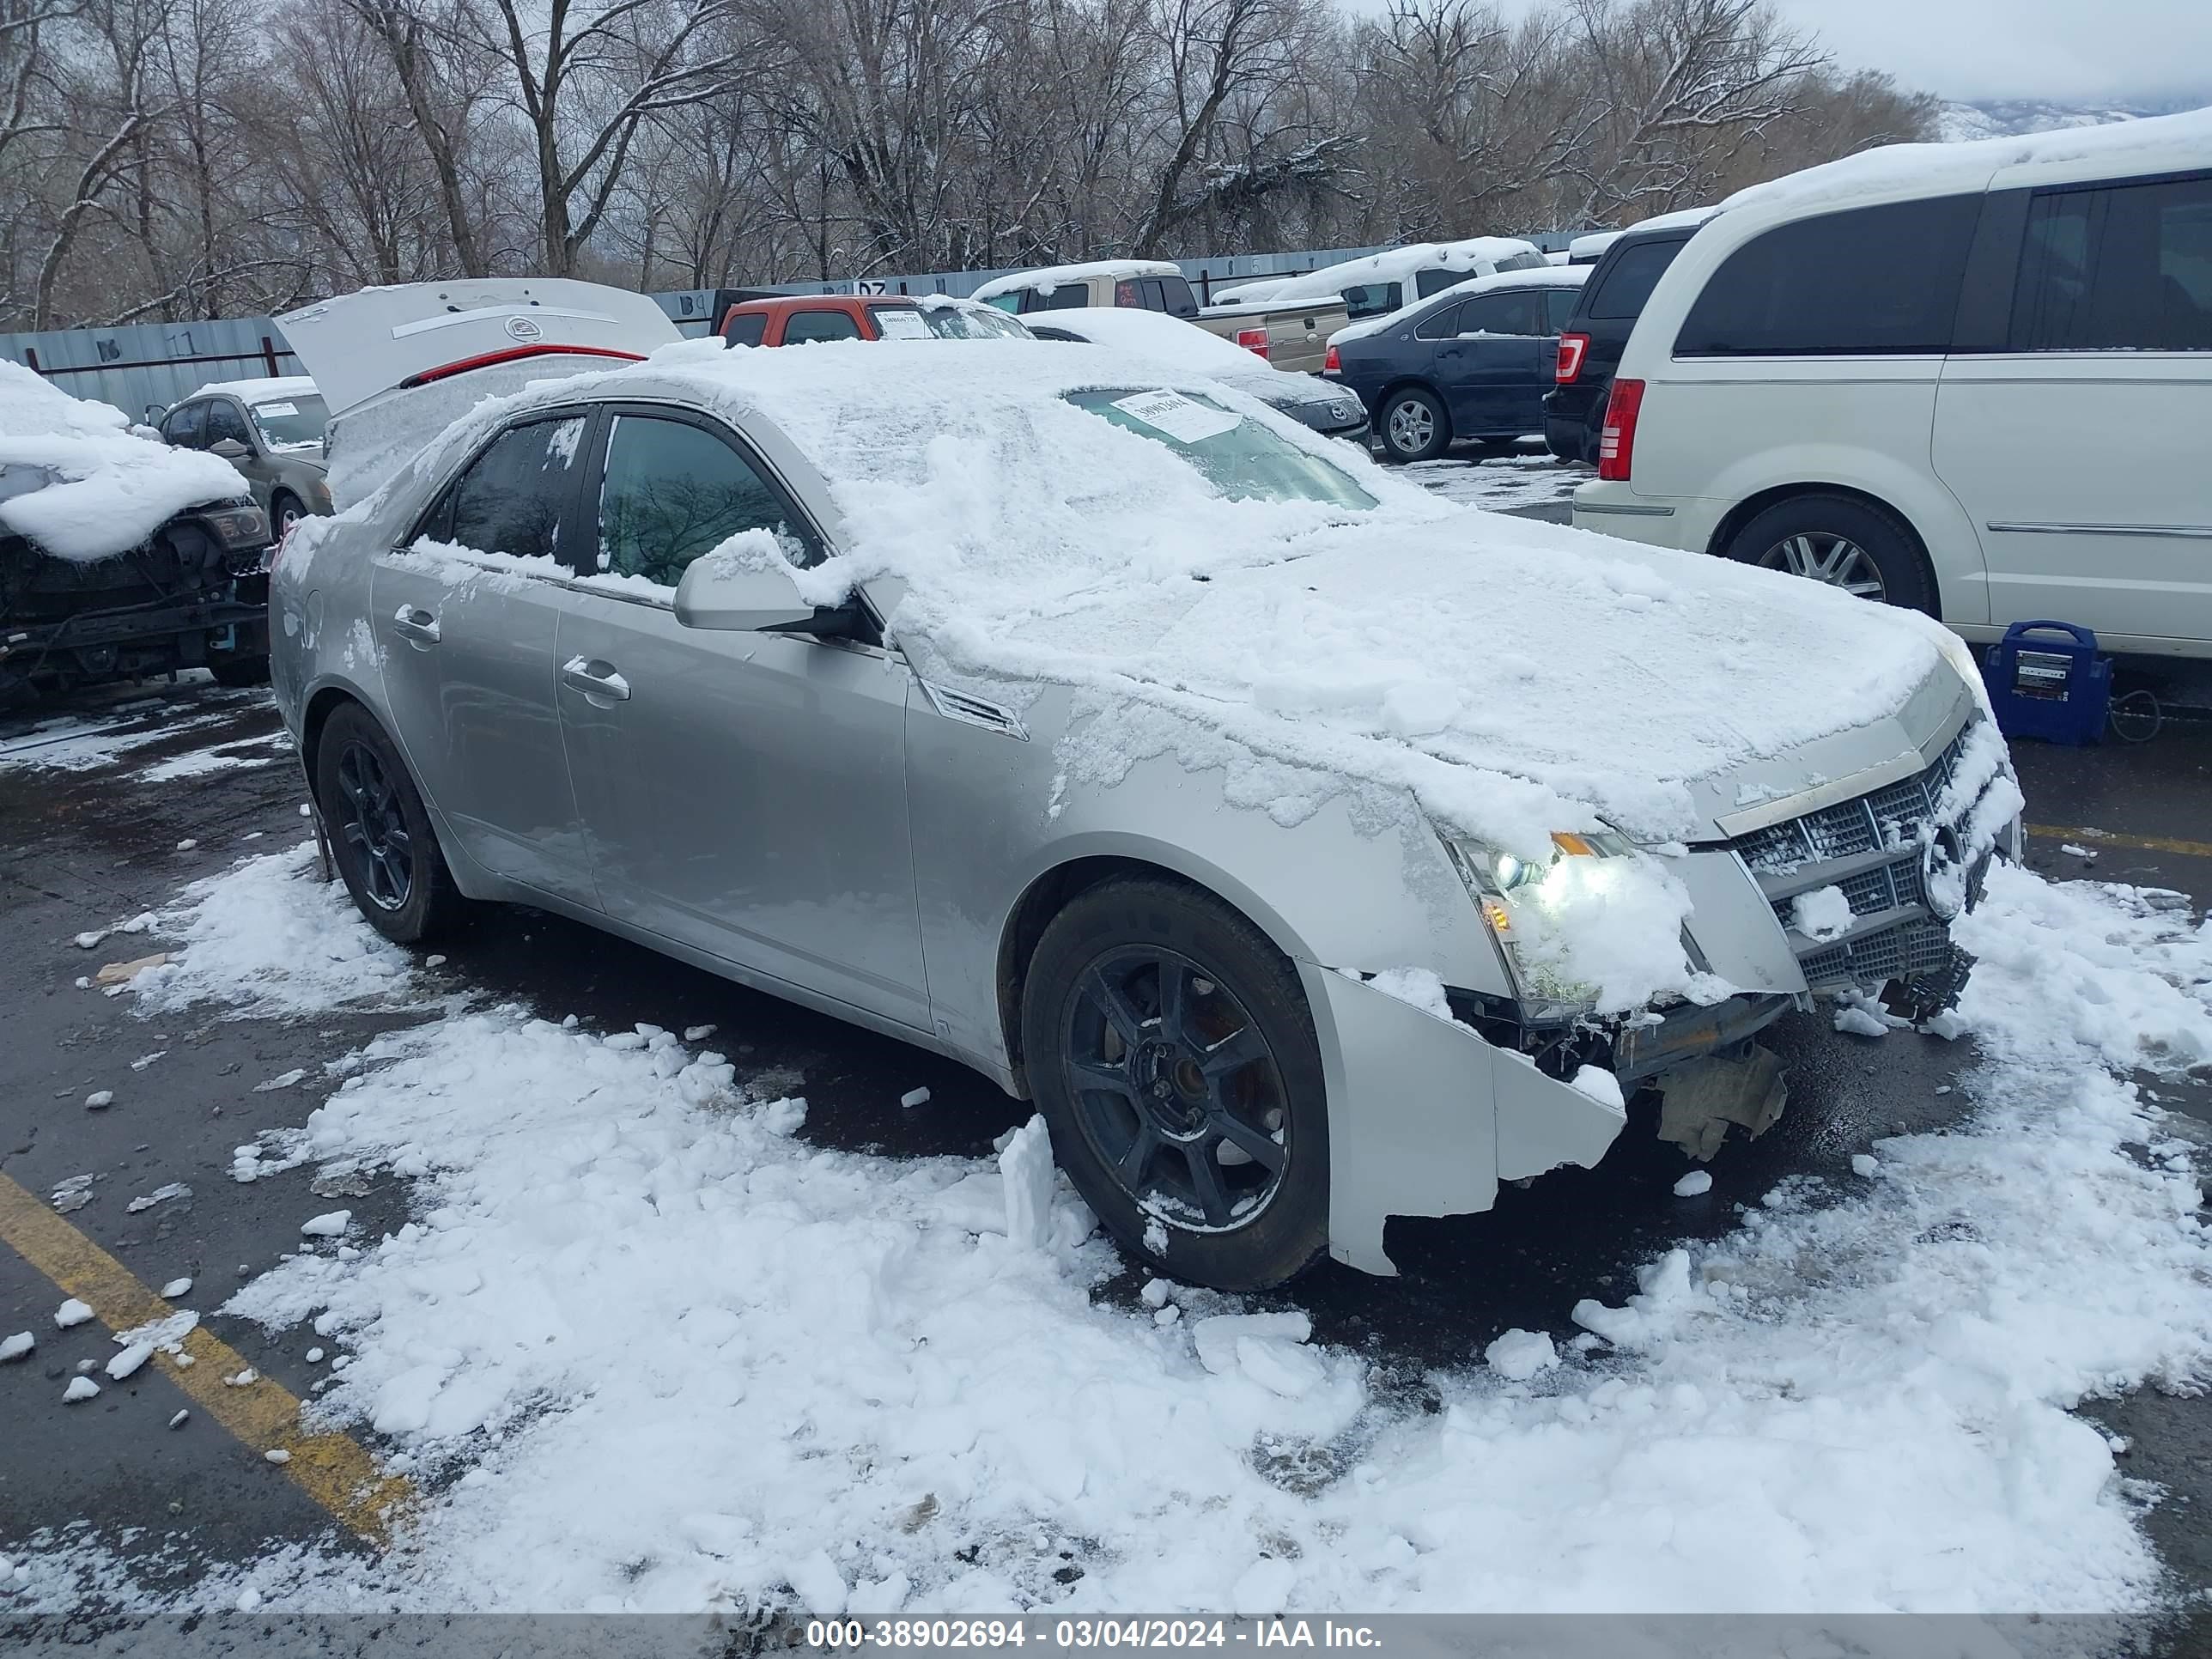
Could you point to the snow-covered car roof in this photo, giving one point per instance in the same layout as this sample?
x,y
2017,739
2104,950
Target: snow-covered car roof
x,y
1534,277
1513,678
2158,144
269,388
1395,264
107,485
1253,291
1046,278
1154,334
1589,247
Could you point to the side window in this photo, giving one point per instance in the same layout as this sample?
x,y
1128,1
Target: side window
x,y
1443,324
224,420
1180,301
186,426
511,499
1619,291
1068,296
1372,299
1870,280
2118,268
1558,307
1520,312
802,327
673,491
1524,260
745,328
1434,281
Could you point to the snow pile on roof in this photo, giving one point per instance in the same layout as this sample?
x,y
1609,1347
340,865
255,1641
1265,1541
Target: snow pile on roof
x,y
268,388
1544,276
1589,247
1170,340
1398,263
1046,278
1258,291
2145,146
699,1363
113,488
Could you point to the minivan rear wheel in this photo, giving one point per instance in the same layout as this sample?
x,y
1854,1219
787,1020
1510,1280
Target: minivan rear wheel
x,y
1168,1044
1842,542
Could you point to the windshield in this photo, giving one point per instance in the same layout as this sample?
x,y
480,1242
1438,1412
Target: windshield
x,y
292,423
972,323
1242,459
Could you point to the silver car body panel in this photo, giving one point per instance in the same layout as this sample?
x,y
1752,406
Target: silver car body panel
x,y
811,818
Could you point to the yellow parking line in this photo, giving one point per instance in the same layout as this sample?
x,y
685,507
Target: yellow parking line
x,y
331,1468
2195,849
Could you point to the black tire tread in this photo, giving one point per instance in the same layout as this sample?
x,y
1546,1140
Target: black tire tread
x,y
435,906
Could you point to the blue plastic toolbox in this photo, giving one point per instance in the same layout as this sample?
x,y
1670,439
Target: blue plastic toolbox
x,y
2046,681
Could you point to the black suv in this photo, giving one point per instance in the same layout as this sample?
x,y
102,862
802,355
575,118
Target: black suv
x,y
1597,334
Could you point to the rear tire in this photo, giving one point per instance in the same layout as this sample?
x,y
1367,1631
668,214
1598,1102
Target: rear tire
x,y
1844,542
1413,425
1193,1121
381,836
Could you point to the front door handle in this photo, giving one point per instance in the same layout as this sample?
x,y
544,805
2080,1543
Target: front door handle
x,y
417,626
601,687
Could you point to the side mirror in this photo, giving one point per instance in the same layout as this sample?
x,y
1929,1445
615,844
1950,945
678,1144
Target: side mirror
x,y
229,448
722,592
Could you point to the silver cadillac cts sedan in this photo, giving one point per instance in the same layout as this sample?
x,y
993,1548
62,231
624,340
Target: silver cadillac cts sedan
x,y
1308,850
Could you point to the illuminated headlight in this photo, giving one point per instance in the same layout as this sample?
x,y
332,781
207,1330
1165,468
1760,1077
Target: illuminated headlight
x,y
1510,891
239,526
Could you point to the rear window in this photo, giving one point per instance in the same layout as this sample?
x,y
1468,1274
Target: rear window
x,y
1877,280
806,327
745,328
1617,293
1242,459
1371,299
1522,261
1067,297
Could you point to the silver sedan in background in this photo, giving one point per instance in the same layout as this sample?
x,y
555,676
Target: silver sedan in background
x,y
808,668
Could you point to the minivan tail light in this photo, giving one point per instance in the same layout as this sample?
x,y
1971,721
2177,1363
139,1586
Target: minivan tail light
x,y
1254,340
1616,444
1572,349
1331,363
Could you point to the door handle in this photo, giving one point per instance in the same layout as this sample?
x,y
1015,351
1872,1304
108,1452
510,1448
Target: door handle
x,y
417,625
601,687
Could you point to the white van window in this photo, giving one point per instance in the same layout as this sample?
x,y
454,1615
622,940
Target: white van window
x,y
1874,280
2116,267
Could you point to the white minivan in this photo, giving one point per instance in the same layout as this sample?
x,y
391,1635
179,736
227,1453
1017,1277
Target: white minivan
x,y
1971,378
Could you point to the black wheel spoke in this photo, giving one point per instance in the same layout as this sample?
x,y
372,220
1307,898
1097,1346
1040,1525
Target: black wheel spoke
x,y
1113,1002
1174,983
1238,1048
1131,1168
1257,1143
1205,1180
1103,1074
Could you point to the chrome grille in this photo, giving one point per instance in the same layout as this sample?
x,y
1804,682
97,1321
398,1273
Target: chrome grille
x,y
1844,847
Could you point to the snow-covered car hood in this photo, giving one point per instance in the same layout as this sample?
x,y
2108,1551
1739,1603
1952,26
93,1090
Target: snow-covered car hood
x,y
111,487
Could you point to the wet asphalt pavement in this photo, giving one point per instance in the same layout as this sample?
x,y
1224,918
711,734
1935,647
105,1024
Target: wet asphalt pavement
x,y
81,850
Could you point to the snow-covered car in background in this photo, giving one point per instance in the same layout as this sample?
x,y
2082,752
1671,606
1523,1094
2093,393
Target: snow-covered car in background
x,y
119,557
271,430
1178,345
1311,850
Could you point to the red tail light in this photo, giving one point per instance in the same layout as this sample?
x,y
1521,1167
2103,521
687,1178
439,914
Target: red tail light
x,y
1254,340
1616,444
1331,363
1572,347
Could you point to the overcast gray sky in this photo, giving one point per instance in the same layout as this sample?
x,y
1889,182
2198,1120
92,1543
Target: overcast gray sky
x,y
2066,50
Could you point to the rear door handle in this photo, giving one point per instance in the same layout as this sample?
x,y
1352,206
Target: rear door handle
x,y
417,625
601,686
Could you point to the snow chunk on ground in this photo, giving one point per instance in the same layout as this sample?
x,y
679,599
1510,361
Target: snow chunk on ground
x,y
175,1288
72,1312
1217,1338
1860,1022
16,1346
1025,1165
80,1388
1695,1184
1865,1165
1518,1355
329,1224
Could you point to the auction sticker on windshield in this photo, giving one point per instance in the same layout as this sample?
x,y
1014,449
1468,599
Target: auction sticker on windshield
x,y
901,325
274,409
1182,418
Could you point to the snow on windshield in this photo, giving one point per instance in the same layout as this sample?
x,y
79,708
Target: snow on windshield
x,y
114,484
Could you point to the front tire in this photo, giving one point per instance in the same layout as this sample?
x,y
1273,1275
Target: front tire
x,y
1843,541
1413,425
381,836
284,512
1169,1046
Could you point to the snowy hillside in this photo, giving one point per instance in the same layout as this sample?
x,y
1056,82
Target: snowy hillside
x,y
2006,117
